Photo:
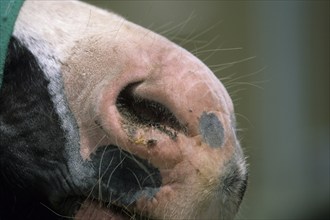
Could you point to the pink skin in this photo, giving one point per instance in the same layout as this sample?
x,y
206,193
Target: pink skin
x,y
173,77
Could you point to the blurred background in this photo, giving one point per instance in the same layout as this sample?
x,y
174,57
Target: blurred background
x,y
273,57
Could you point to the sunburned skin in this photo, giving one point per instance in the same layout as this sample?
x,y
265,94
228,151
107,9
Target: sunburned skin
x,y
149,127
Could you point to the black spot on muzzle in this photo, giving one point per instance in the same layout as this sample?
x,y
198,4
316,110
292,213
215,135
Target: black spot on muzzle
x,y
211,130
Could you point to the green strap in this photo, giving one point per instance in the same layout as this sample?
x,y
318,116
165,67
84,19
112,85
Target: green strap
x,y
8,11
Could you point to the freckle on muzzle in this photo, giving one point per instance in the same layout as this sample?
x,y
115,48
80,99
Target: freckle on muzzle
x,y
211,130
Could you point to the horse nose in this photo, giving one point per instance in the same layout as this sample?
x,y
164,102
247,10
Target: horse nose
x,y
163,106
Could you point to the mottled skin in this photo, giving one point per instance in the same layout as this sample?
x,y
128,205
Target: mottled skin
x,y
120,90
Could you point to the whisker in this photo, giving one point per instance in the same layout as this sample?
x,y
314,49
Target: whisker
x,y
142,166
201,33
183,24
232,63
178,26
137,179
116,167
100,168
245,83
246,119
216,50
243,76
56,213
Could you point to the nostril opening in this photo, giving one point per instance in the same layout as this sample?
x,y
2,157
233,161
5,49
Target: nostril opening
x,y
146,113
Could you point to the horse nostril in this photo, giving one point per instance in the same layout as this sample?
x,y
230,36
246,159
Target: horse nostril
x,y
142,112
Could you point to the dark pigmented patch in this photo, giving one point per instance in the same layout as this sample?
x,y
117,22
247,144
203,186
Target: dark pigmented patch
x,y
123,177
211,129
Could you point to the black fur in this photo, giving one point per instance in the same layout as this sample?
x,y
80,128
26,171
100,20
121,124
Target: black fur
x,y
31,138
